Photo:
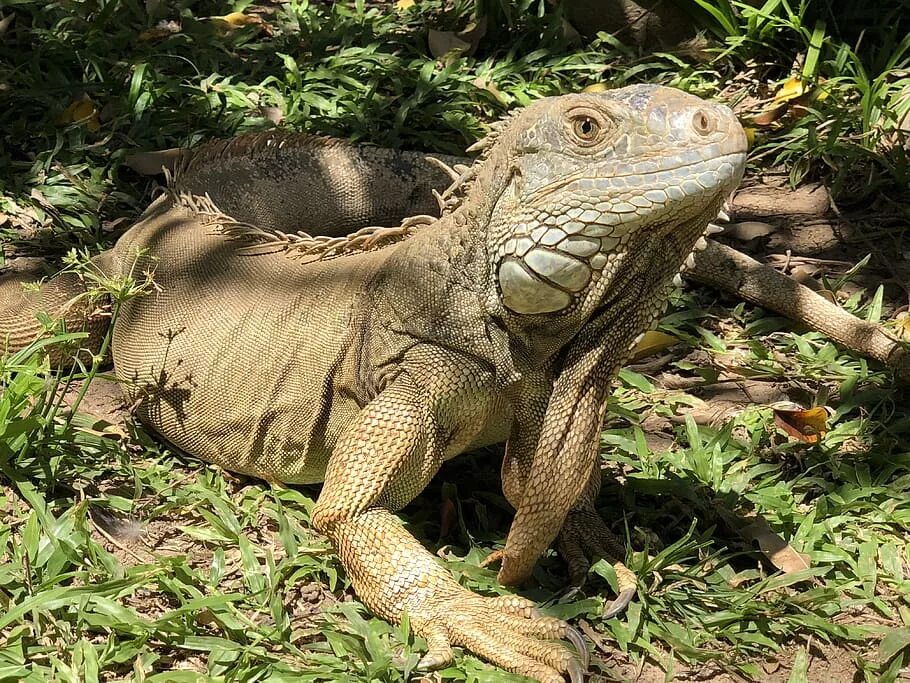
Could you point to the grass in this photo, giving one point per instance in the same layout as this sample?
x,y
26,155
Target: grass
x,y
230,584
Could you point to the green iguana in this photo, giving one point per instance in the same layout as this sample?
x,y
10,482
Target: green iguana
x,y
372,360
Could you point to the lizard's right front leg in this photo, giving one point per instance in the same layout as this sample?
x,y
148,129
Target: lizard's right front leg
x,y
382,461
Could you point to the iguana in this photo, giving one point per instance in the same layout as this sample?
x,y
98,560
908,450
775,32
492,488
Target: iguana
x,y
366,368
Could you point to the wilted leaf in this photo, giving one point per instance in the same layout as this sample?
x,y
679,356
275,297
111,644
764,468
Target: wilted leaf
x,y
5,22
808,425
754,529
153,163
236,20
596,87
793,96
750,135
163,29
792,88
273,114
770,115
483,83
82,112
444,42
652,342
454,44
748,230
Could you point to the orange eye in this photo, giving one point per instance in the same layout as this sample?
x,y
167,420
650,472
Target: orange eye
x,y
585,128
702,122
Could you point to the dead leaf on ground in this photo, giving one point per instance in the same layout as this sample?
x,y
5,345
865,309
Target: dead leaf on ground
x,y
235,20
81,111
794,96
652,342
402,5
163,29
746,231
454,44
483,83
755,529
153,163
808,425
5,22
273,114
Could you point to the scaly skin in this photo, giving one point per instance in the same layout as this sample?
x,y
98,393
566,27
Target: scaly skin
x,y
506,320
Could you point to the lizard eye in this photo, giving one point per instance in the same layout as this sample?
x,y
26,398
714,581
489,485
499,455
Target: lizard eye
x,y
702,122
585,128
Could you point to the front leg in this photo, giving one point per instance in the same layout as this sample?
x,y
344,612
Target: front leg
x,y
586,538
383,460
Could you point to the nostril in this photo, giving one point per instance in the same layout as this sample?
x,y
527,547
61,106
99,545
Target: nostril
x,y
703,122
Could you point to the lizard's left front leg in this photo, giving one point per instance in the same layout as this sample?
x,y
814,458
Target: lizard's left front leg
x,y
586,538
382,461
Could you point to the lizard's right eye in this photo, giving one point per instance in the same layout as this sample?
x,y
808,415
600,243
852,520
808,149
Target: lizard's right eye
x,y
588,128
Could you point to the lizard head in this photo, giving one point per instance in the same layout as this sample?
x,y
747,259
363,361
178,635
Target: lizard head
x,y
594,182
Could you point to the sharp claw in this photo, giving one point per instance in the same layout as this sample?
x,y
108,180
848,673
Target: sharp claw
x,y
573,635
430,662
618,606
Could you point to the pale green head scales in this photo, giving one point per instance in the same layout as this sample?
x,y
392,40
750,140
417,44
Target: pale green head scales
x,y
598,179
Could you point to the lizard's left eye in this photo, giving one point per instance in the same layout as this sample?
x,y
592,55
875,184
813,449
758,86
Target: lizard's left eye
x,y
586,128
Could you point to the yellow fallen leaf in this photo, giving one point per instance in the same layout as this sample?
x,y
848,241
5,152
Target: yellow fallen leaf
x,y
652,342
750,135
402,5
81,112
792,88
807,425
596,87
237,20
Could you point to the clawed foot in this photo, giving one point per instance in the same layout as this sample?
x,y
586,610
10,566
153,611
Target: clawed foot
x,y
507,631
585,538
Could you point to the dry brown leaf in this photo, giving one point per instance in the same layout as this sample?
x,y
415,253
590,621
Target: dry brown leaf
x,y
653,341
153,163
454,44
448,517
781,554
483,83
5,22
163,29
755,529
803,424
442,43
82,112
747,231
273,114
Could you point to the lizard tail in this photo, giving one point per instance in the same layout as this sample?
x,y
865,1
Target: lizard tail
x,y
31,309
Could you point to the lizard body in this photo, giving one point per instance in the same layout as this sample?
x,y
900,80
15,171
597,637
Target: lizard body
x,y
503,321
